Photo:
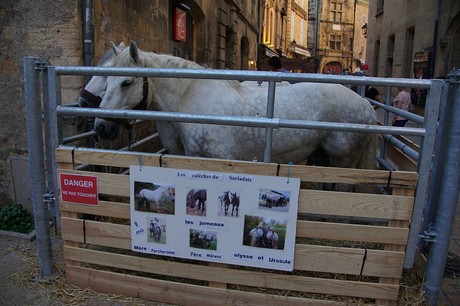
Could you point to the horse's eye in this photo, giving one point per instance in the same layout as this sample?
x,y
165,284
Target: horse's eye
x,y
126,83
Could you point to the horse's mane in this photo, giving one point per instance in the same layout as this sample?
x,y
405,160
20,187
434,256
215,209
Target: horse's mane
x,y
152,59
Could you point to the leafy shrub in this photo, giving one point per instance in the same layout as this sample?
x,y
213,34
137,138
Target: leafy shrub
x,y
15,218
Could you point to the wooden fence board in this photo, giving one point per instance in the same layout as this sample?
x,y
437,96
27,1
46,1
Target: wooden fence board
x,y
241,277
177,293
105,208
402,179
307,257
352,232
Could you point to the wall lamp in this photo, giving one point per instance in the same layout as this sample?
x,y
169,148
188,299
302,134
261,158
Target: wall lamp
x,y
364,30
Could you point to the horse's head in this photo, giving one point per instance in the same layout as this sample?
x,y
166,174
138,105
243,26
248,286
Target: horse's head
x,y
123,92
91,95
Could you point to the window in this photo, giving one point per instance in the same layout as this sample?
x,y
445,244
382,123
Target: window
x,y
376,58
379,7
336,10
390,54
408,52
335,42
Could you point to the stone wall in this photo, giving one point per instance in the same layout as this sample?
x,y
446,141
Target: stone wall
x,y
47,29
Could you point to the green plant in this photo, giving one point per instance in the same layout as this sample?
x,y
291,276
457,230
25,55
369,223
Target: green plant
x,y
15,218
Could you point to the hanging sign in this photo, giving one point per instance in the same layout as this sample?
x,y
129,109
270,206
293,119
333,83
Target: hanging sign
x,y
240,219
180,25
79,189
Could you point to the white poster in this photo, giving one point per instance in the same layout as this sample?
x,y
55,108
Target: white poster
x,y
239,219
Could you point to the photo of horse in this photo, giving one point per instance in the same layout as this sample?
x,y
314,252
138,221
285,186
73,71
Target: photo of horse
x,y
263,232
156,232
229,203
196,202
155,198
275,200
203,239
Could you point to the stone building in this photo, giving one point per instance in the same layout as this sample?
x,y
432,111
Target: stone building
x,y
218,34
340,38
409,39
284,33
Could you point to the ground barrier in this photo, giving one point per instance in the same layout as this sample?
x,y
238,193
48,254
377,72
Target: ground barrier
x,y
355,255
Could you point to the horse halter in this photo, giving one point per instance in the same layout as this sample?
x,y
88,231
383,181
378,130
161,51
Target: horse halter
x,y
92,100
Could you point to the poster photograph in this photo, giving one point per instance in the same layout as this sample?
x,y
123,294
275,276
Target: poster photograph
x,y
241,219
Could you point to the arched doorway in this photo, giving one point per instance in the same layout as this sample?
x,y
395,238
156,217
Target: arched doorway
x,y
333,68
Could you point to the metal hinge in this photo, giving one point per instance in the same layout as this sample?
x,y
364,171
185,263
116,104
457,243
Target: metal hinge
x,y
48,197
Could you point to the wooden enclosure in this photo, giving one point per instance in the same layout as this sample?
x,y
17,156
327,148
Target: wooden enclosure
x,y
349,248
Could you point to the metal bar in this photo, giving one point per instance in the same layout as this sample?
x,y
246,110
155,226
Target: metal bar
x,y
36,166
424,168
79,137
241,75
411,116
269,115
402,146
429,214
237,120
54,133
448,196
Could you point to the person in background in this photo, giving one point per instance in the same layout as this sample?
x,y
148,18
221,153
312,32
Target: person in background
x,y
275,64
401,101
373,93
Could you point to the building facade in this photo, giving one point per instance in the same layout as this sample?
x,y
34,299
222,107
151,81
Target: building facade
x,y
219,34
410,39
285,34
340,38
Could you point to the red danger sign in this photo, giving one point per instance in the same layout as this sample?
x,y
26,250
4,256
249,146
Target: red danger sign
x,y
80,189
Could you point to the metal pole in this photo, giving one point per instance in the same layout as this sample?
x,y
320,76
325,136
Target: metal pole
x,y
449,174
269,130
424,168
36,165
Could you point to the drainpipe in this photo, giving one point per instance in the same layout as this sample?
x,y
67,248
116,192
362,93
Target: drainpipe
x,y
449,175
88,35
432,58
88,51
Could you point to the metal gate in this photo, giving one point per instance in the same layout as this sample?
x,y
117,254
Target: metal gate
x,y
437,188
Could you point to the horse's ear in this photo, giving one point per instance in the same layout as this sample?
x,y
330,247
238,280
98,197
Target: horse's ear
x,y
117,49
134,52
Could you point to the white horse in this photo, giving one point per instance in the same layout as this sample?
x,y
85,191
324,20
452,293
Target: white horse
x,y
301,101
272,237
93,92
257,234
157,196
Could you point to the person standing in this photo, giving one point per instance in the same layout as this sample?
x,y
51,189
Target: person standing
x,y
373,93
401,101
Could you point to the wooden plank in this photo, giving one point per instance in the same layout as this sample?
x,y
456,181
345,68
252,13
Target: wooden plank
x,y
105,208
400,160
92,156
72,229
232,276
401,179
177,293
310,201
352,261
395,247
355,204
327,259
108,234
352,232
